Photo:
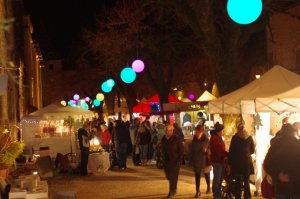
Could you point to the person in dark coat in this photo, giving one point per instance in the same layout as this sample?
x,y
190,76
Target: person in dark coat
x,y
240,161
172,149
84,145
120,137
282,164
198,155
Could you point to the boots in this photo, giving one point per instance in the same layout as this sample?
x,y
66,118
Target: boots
x,y
208,189
197,195
207,179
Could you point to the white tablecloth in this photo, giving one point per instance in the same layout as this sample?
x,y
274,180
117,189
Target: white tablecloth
x,y
98,162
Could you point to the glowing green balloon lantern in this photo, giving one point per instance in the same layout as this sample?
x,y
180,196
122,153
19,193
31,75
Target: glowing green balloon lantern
x,y
128,75
244,11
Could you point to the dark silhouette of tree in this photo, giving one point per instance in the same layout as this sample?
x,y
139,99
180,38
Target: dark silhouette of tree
x,y
225,43
141,31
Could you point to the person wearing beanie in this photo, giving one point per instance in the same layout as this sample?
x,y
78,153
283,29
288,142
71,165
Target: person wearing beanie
x,y
218,156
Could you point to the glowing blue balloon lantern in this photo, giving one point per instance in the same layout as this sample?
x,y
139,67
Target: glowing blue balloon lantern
x,y
128,75
244,11
138,65
105,88
110,82
70,103
96,102
85,106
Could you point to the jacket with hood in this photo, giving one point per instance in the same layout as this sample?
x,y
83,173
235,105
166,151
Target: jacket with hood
x,y
240,150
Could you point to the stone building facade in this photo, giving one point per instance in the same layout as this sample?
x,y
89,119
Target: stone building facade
x,y
16,64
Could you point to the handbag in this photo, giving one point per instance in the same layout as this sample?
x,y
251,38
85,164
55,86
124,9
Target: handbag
x,y
267,189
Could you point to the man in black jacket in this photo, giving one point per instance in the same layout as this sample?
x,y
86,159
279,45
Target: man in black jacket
x,y
172,148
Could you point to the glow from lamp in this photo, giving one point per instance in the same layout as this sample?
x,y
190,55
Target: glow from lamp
x,y
244,11
128,75
105,88
138,65
76,97
110,82
87,99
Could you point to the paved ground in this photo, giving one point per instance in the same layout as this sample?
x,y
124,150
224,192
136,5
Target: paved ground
x,y
136,182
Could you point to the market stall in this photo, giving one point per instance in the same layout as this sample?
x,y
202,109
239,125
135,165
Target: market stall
x,y
52,128
259,102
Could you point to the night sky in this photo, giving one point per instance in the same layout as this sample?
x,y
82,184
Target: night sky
x,y
58,23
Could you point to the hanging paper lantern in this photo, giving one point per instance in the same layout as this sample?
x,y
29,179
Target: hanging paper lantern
x,y
76,97
63,102
244,11
105,88
191,96
100,97
110,82
128,75
138,65
96,102
87,99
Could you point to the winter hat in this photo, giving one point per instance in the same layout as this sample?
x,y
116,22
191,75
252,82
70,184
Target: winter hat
x,y
218,127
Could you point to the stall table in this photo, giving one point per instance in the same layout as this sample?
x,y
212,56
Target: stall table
x,y
98,162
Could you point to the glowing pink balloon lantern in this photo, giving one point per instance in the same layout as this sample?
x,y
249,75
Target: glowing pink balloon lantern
x,y
138,65
191,96
76,97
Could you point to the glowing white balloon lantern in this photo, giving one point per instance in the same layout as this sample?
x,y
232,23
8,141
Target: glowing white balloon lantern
x,y
63,102
100,97
138,65
128,75
87,99
244,11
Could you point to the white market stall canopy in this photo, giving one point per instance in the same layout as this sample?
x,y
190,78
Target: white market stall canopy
x,y
64,112
189,106
45,127
247,99
46,109
206,96
288,101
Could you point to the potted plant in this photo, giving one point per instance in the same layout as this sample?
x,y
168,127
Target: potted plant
x,y
10,149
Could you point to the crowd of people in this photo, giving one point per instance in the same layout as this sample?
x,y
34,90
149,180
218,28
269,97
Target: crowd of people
x,y
163,144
